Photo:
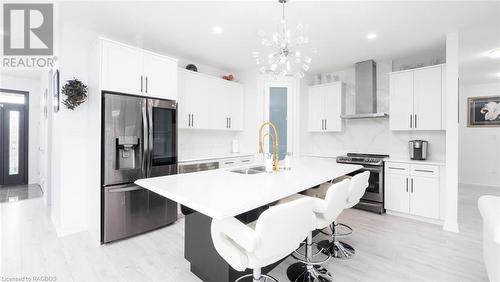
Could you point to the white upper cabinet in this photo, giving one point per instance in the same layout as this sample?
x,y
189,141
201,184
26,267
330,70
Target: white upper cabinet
x,y
207,102
416,98
326,105
131,70
121,68
427,99
160,75
401,99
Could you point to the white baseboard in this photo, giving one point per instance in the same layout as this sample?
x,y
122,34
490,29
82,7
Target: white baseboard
x,y
481,185
451,227
416,217
65,231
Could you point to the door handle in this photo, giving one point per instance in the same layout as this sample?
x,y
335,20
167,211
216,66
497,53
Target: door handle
x,y
227,122
146,84
407,185
411,186
230,123
189,120
192,120
416,121
397,168
325,124
411,121
150,137
145,141
141,83
424,170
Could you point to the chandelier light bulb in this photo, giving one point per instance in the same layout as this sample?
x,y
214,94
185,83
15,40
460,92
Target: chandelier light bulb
x,y
305,67
307,60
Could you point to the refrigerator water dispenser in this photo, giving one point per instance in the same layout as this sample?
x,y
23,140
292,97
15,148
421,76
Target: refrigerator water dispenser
x,y
127,152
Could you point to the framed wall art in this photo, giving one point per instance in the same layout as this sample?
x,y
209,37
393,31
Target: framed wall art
x,y
483,111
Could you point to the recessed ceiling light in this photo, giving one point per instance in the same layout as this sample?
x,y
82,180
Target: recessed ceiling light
x,y
371,35
494,54
217,30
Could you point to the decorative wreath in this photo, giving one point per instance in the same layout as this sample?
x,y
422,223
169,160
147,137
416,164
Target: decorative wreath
x,y
76,93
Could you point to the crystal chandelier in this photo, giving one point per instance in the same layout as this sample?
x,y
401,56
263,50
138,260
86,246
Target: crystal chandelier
x,y
285,58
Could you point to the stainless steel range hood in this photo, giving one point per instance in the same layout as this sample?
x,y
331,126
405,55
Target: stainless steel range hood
x,y
366,92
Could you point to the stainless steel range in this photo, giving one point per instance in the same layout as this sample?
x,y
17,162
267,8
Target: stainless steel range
x,y
373,199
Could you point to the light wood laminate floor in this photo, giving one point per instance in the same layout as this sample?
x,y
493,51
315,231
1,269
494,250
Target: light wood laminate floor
x,y
389,248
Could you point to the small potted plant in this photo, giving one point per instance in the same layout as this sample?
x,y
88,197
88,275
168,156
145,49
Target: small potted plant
x,y
76,93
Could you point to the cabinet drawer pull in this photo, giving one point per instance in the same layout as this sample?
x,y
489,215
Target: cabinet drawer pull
x,y
424,170
245,161
228,162
397,168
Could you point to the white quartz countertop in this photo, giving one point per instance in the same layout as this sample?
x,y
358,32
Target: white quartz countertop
x,y
221,193
189,159
410,161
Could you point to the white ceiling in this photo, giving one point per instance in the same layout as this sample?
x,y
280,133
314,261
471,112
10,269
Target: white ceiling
x,y
336,29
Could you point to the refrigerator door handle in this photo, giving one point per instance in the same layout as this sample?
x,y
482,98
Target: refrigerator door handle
x,y
125,189
145,139
150,137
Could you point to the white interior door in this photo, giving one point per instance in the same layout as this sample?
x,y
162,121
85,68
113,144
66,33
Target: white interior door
x,y
280,110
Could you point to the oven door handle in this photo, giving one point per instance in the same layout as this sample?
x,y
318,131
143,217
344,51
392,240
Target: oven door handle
x,y
371,169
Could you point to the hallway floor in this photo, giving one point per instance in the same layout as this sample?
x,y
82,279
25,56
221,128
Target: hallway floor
x,y
388,248
13,193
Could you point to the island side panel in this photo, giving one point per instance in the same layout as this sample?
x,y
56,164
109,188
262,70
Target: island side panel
x,y
199,250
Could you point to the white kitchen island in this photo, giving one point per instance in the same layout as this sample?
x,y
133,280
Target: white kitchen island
x,y
224,193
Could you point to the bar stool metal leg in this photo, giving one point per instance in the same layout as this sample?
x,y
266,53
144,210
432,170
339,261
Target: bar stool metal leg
x,y
256,276
336,248
307,271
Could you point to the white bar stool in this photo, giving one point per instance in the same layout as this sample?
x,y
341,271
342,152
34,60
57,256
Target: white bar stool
x,y
326,211
336,248
277,233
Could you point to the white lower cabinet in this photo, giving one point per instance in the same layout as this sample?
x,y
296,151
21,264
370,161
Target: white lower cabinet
x,y
412,189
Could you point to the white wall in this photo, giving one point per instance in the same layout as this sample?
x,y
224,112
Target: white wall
x,y
32,85
367,135
479,147
72,140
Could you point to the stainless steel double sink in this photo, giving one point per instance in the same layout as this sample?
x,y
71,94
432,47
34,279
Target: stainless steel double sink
x,y
250,170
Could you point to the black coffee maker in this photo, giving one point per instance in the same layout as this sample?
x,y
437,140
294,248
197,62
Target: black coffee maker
x,y
418,149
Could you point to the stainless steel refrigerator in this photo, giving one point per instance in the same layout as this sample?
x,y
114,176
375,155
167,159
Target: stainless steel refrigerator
x,y
139,140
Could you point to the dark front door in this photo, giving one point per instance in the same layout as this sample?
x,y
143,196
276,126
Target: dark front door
x,y
13,144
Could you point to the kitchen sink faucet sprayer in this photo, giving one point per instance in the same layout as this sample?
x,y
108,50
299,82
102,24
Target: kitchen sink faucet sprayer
x,y
275,143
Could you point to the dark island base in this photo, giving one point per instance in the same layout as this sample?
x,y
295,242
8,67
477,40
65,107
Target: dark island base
x,y
199,250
